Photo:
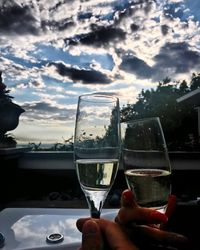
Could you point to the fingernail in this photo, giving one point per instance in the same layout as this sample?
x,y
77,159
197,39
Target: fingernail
x,y
159,216
128,196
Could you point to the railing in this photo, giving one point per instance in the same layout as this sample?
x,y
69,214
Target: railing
x,y
64,160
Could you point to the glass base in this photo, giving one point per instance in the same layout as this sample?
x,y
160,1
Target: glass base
x,y
161,209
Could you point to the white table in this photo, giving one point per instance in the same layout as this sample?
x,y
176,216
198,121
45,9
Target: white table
x,y
27,228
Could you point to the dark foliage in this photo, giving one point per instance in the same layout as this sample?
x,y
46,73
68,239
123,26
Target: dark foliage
x,y
179,121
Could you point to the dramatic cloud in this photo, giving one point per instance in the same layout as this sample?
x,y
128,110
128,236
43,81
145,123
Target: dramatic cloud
x,y
85,76
53,51
17,18
44,110
98,36
178,56
173,59
136,66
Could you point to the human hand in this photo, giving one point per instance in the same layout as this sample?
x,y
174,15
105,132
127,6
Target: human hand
x,y
134,229
140,223
99,234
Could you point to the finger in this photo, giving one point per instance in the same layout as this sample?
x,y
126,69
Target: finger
x,y
171,205
80,222
172,201
140,215
128,199
157,236
132,212
91,236
115,236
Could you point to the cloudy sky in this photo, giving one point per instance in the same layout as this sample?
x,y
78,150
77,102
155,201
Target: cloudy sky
x,y
53,51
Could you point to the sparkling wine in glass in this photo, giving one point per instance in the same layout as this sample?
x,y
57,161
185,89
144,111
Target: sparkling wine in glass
x,y
146,163
97,147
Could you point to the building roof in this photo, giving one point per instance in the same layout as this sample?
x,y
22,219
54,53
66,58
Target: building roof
x,y
192,98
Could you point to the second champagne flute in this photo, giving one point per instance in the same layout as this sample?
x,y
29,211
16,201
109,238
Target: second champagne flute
x,y
97,147
146,163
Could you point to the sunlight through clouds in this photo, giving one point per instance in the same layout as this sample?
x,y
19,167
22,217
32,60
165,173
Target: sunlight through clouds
x,y
54,51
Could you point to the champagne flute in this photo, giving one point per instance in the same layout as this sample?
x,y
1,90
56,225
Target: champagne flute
x,y
97,147
146,163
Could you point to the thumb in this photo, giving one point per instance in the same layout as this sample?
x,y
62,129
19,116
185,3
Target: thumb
x,y
91,236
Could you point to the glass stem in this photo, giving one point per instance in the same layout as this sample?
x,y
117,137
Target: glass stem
x,y
95,200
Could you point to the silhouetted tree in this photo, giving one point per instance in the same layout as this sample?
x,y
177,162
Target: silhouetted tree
x,y
195,82
179,121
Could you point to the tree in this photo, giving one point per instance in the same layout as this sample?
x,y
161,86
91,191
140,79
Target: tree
x,y
9,113
195,82
179,121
